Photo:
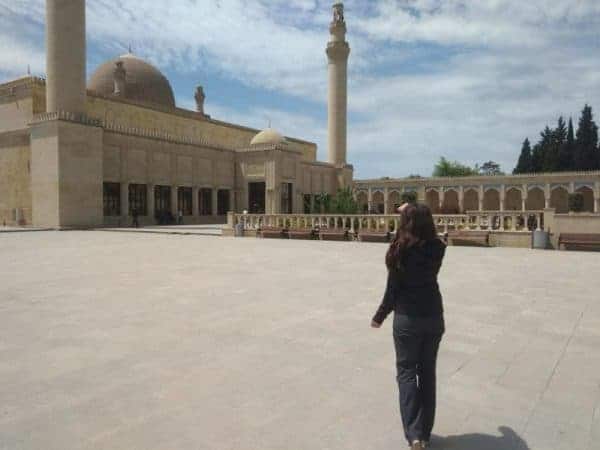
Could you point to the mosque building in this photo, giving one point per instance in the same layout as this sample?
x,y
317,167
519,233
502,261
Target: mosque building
x,y
77,154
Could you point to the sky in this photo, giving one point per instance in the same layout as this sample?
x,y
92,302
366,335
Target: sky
x,y
464,79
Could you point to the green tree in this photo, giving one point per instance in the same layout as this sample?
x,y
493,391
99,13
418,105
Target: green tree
x,y
524,165
344,202
586,157
538,155
446,168
322,203
408,197
567,150
489,168
552,154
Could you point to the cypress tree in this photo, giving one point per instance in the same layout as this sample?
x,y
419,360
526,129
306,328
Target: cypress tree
x,y
524,163
538,155
555,143
567,150
586,157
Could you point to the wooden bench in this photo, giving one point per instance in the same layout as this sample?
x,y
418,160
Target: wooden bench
x,y
479,238
579,240
373,236
271,232
302,233
330,235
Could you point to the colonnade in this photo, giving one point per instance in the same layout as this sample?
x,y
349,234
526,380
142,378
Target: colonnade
x,y
481,197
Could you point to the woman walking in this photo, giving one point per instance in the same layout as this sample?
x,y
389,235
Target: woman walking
x,y
413,262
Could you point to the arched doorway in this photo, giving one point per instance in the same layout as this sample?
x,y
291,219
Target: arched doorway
x,y
559,200
513,200
471,200
536,200
450,203
432,199
393,201
363,202
588,198
491,200
378,202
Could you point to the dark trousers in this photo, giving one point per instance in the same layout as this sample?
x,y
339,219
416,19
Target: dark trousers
x,y
417,341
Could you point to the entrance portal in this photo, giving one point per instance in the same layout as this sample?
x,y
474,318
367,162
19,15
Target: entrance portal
x,y
162,204
256,197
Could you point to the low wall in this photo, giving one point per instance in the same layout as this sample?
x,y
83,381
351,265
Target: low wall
x,y
570,223
520,239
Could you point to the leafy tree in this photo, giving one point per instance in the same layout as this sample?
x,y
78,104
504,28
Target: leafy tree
x,y
567,150
524,165
414,176
344,202
322,203
489,168
586,157
446,168
408,197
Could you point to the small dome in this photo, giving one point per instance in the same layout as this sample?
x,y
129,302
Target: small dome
x,y
268,136
143,82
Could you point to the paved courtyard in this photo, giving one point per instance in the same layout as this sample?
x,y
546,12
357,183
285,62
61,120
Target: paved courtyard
x,y
148,341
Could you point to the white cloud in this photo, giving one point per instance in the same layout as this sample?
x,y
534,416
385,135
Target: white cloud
x,y
468,80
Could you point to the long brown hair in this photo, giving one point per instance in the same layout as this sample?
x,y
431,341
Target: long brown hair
x,y
416,225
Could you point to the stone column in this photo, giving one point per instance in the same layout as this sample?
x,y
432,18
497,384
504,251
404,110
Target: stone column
x,y
125,201
597,197
386,200
174,202
480,197
461,199
65,56
524,194
337,51
502,196
214,201
369,200
547,194
150,198
195,202
231,200
441,195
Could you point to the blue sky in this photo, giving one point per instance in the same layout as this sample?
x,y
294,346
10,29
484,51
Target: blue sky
x,y
468,80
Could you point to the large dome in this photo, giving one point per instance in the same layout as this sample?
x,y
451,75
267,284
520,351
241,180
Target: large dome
x,y
268,136
143,82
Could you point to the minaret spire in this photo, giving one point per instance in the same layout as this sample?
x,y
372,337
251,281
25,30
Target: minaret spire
x,y
338,51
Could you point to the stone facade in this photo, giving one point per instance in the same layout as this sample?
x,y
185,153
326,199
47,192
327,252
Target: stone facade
x,y
82,158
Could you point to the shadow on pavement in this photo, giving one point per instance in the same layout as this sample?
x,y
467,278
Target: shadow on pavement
x,y
509,440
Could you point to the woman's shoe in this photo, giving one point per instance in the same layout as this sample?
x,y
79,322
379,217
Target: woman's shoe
x,y
416,445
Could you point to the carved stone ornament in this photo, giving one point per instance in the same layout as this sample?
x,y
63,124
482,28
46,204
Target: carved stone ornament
x,y
338,13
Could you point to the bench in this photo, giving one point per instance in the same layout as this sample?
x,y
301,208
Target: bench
x,y
330,235
271,232
371,236
479,238
578,240
302,233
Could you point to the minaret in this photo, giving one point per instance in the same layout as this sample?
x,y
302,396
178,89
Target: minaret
x,y
337,54
65,56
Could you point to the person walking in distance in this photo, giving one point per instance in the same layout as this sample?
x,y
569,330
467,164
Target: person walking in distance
x,y
413,261
134,214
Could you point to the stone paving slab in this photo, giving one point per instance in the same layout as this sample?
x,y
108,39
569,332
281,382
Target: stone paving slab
x,y
147,341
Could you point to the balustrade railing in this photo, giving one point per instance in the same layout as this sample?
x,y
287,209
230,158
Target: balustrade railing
x,y
355,223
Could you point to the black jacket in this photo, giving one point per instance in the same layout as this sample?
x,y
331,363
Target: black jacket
x,y
412,288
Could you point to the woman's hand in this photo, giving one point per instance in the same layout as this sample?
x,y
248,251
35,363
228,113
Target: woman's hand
x,y
375,324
